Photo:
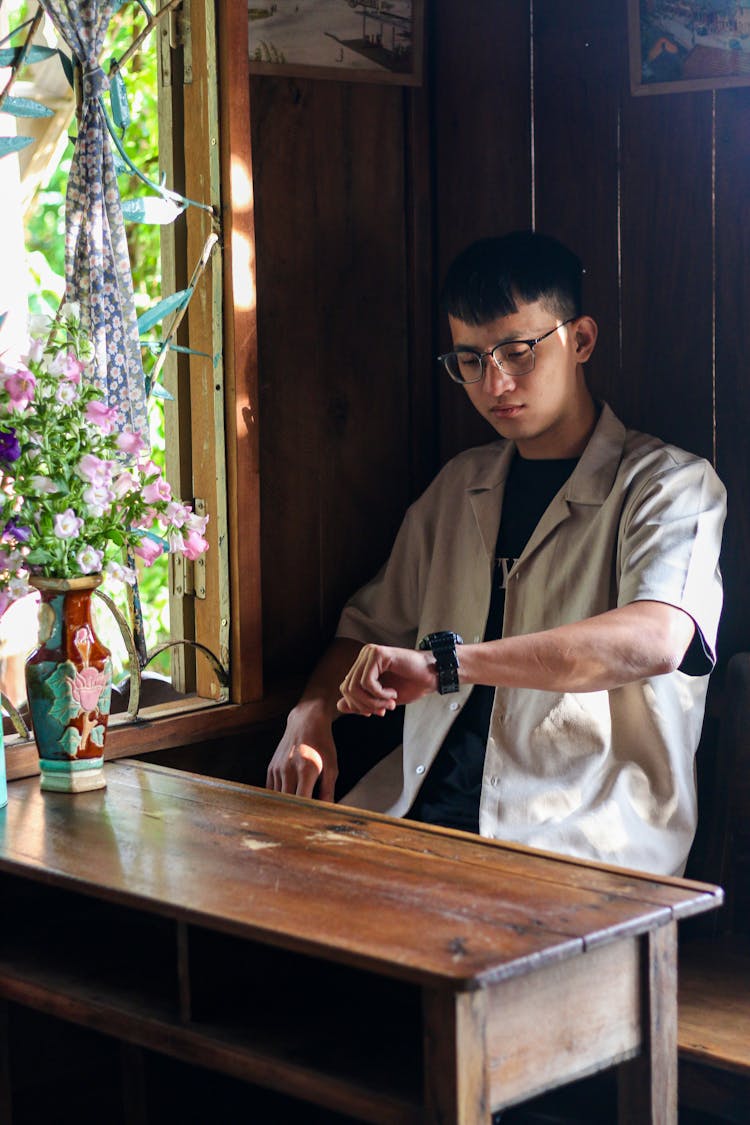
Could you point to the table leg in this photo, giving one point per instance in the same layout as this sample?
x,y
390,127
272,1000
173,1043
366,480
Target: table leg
x,y
455,1054
648,1084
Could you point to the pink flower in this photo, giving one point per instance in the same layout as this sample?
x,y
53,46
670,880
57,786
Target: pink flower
x,y
194,546
148,550
67,524
176,513
73,368
196,523
149,469
94,470
20,388
87,687
124,483
159,489
128,442
146,519
98,498
105,417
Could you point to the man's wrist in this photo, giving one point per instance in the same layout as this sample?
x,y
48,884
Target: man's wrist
x,y
442,645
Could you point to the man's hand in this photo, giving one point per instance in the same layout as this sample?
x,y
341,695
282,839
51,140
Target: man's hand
x,y
306,752
382,678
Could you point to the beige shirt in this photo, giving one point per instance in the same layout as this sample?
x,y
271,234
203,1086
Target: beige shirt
x,y
606,775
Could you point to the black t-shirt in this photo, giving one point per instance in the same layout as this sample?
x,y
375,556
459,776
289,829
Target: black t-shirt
x,y
450,793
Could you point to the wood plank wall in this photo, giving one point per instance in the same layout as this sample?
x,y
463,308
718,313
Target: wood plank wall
x,y
365,192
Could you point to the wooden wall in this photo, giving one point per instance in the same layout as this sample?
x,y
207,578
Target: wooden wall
x,y
365,192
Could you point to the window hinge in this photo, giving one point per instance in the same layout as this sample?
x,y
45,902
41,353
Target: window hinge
x,y
179,35
199,566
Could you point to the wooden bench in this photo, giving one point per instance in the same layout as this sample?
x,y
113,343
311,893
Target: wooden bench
x,y
714,997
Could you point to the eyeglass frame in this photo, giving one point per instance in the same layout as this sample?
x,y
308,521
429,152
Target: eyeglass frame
x,y
498,362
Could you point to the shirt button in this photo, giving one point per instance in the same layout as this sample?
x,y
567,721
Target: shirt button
x,y
454,707
420,769
494,780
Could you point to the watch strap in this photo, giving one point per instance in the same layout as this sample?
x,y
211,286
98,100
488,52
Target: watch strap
x,y
442,645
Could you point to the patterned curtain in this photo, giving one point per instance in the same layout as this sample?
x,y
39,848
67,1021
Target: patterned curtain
x,y
97,263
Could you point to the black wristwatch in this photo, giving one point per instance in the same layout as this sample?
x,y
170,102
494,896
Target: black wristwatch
x,y
443,648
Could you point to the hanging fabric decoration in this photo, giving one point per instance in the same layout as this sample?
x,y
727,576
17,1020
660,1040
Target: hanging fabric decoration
x,y
97,263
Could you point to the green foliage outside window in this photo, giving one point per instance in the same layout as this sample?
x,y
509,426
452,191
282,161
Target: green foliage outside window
x,y
45,246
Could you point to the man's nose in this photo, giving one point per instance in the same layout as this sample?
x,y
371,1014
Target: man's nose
x,y
495,380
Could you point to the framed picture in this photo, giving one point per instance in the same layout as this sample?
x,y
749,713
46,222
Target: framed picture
x,y
680,45
352,40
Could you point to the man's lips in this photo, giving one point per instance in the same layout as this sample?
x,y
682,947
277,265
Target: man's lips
x,y
509,411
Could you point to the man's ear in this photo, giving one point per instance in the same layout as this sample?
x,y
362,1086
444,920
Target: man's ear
x,y
585,331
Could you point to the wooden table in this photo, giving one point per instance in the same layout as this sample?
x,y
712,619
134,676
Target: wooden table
x,y
380,969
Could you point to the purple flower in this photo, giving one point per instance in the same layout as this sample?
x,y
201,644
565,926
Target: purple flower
x,y
18,534
10,446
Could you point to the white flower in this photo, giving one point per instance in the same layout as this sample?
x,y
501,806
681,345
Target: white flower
x,y
89,560
67,524
121,573
39,326
44,485
98,499
70,310
66,394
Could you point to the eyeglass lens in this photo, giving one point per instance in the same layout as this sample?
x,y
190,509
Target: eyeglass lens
x,y
467,367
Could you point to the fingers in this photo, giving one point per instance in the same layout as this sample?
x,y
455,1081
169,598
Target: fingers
x,y
362,690
297,770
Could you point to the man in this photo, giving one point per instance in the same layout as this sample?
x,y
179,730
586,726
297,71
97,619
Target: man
x,y
578,563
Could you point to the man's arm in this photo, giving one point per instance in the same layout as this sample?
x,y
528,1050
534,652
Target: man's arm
x,y
614,648
307,750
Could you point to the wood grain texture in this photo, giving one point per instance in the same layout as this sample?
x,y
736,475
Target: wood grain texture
x,y
648,1084
580,1027
579,57
457,1086
240,354
714,1005
482,156
732,385
312,876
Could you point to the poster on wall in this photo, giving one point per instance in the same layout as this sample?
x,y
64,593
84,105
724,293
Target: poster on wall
x,y
352,40
680,45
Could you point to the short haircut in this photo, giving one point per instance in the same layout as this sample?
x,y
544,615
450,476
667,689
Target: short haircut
x,y
489,278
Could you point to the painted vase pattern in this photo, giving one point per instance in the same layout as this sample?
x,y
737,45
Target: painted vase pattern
x,y
69,686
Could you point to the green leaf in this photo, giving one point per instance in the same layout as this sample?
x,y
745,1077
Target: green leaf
x,y
163,308
67,64
25,107
13,144
10,55
38,556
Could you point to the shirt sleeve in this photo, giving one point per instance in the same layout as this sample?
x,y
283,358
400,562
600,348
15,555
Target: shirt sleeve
x,y
670,540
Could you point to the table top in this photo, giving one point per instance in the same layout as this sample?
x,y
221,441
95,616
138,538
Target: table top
x,y
427,905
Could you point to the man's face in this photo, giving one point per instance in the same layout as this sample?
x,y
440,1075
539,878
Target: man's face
x,y
548,412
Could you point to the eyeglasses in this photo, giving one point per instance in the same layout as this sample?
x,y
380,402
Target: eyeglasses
x,y
516,357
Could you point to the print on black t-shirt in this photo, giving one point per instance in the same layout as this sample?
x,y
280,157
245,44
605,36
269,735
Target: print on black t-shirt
x,y
450,793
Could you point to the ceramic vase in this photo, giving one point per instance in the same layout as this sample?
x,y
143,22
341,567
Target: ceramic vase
x,y
69,687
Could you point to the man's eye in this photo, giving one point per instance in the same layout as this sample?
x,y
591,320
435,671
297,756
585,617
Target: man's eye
x,y
467,359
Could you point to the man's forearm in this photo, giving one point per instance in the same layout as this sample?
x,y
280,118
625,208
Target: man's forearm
x,y
322,689
603,652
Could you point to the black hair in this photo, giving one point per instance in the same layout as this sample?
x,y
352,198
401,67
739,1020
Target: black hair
x,y
488,279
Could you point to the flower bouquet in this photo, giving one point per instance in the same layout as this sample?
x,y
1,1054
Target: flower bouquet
x,y
78,497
